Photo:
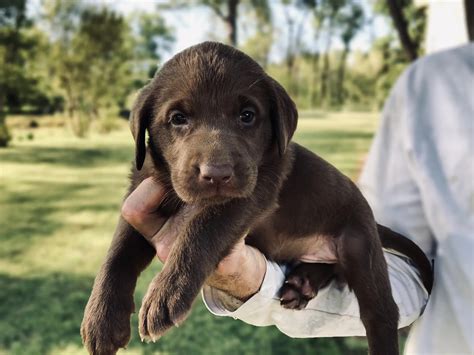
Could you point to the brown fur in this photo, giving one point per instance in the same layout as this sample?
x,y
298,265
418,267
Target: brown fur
x,y
280,195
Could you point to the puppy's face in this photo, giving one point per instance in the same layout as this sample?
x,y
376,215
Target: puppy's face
x,y
209,116
213,133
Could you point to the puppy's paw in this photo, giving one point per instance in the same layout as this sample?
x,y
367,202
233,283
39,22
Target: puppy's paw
x,y
296,292
163,307
303,284
106,325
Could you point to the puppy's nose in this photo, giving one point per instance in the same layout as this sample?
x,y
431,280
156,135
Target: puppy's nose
x,y
215,174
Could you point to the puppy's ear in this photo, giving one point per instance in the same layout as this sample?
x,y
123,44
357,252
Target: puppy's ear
x,y
284,116
139,120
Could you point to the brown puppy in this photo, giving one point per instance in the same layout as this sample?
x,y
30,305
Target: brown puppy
x,y
219,139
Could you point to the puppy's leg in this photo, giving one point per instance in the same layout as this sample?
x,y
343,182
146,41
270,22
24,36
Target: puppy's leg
x,y
364,267
207,239
106,324
303,283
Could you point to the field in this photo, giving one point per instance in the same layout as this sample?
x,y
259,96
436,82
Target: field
x,y
59,201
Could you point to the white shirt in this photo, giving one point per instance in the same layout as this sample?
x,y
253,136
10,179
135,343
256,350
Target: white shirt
x,y
419,181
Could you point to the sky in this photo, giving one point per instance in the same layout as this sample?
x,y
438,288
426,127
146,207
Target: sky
x,y
192,26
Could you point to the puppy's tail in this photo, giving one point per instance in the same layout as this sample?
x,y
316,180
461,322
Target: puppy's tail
x,y
405,246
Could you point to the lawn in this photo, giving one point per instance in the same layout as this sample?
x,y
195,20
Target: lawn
x,y
59,201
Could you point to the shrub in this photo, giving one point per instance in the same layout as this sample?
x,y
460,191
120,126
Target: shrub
x,y
5,136
33,124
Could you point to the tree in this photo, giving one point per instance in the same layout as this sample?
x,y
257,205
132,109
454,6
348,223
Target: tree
x,y
14,49
90,58
401,25
469,10
330,9
259,45
153,38
228,12
318,21
409,22
350,20
296,15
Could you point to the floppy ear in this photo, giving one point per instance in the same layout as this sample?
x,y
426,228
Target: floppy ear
x,y
139,119
284,116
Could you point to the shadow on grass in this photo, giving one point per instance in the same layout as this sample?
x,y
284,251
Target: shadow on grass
x,y
68,156
28,214
41,313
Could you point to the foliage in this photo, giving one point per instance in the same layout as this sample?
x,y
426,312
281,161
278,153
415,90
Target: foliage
x,y
98,59
259,45
68,60
410,25
91,56
153,39
15,47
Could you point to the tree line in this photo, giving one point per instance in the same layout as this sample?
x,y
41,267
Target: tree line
x,y
85,60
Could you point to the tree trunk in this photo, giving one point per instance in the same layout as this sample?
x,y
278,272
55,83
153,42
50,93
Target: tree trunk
x,y
2,102
316,76
5,136
401,24
324,91
341,75
290,56
469,10
231,20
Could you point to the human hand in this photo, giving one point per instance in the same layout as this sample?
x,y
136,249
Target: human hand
x,y
240,273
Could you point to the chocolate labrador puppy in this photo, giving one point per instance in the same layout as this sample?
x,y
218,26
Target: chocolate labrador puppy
x,y
220,134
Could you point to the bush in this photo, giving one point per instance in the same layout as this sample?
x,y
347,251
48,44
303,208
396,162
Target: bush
x,y
5,136
33,124
109,121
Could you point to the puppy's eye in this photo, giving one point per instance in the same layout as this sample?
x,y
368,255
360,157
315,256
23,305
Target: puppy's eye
x,y
178,119
247,117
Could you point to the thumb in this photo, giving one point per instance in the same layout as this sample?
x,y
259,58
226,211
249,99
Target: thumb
x,y
164,239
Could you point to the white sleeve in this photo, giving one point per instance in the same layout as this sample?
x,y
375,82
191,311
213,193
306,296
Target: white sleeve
x,y
333,312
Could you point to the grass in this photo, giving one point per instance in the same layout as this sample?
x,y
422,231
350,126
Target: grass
x,y
59,202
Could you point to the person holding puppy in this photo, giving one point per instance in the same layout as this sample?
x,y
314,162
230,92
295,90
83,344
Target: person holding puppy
x,y
418,181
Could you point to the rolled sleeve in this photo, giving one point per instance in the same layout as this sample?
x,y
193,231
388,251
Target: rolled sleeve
x,y
333,312
258,309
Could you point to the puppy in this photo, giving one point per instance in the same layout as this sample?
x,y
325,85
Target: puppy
x,y
220,134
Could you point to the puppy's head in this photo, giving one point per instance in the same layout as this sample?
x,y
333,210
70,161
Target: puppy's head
x,y
214,117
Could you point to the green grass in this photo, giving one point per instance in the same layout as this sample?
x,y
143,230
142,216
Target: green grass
x,y
59,202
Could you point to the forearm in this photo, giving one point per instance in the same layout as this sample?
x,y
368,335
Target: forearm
x,y
334,312
240,276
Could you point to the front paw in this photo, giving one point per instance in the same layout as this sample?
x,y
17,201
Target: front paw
x,y
106,325
165,305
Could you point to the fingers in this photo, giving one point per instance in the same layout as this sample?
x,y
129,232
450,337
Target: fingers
x,y
139,209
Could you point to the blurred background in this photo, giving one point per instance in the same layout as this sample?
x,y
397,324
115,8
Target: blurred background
x,y
69,71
